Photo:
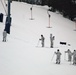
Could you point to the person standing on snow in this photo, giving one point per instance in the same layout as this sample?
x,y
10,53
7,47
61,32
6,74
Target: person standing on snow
x,y
69,55
4,36
42,40
52,41
58,56
74,57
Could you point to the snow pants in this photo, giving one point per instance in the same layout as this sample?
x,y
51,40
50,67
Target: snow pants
x,y
58,60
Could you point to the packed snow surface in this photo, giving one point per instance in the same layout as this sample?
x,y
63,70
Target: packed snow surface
x,y
22,54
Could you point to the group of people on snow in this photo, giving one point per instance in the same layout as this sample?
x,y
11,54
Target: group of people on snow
x,y
70,55
58,53
42,39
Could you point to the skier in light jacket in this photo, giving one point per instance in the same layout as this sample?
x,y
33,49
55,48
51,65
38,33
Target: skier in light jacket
x,y
74,57
69,55
4,36
58,56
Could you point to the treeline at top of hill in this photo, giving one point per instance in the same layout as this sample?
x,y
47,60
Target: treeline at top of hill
x,y
66,7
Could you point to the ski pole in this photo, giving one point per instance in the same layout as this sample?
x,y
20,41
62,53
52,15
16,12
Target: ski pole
x,y
64,56
52,56
38,43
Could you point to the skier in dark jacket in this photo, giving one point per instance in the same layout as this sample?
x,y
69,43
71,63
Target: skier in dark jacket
x,y
58,56
42,40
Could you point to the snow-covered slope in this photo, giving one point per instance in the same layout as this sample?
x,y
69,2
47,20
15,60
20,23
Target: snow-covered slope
x,y
20,54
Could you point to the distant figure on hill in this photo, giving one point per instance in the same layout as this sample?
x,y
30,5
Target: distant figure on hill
x,y
4,36
42,40
52,41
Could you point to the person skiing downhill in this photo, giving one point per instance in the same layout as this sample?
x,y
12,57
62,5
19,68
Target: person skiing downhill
x,y
42,40
58,56
69,55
